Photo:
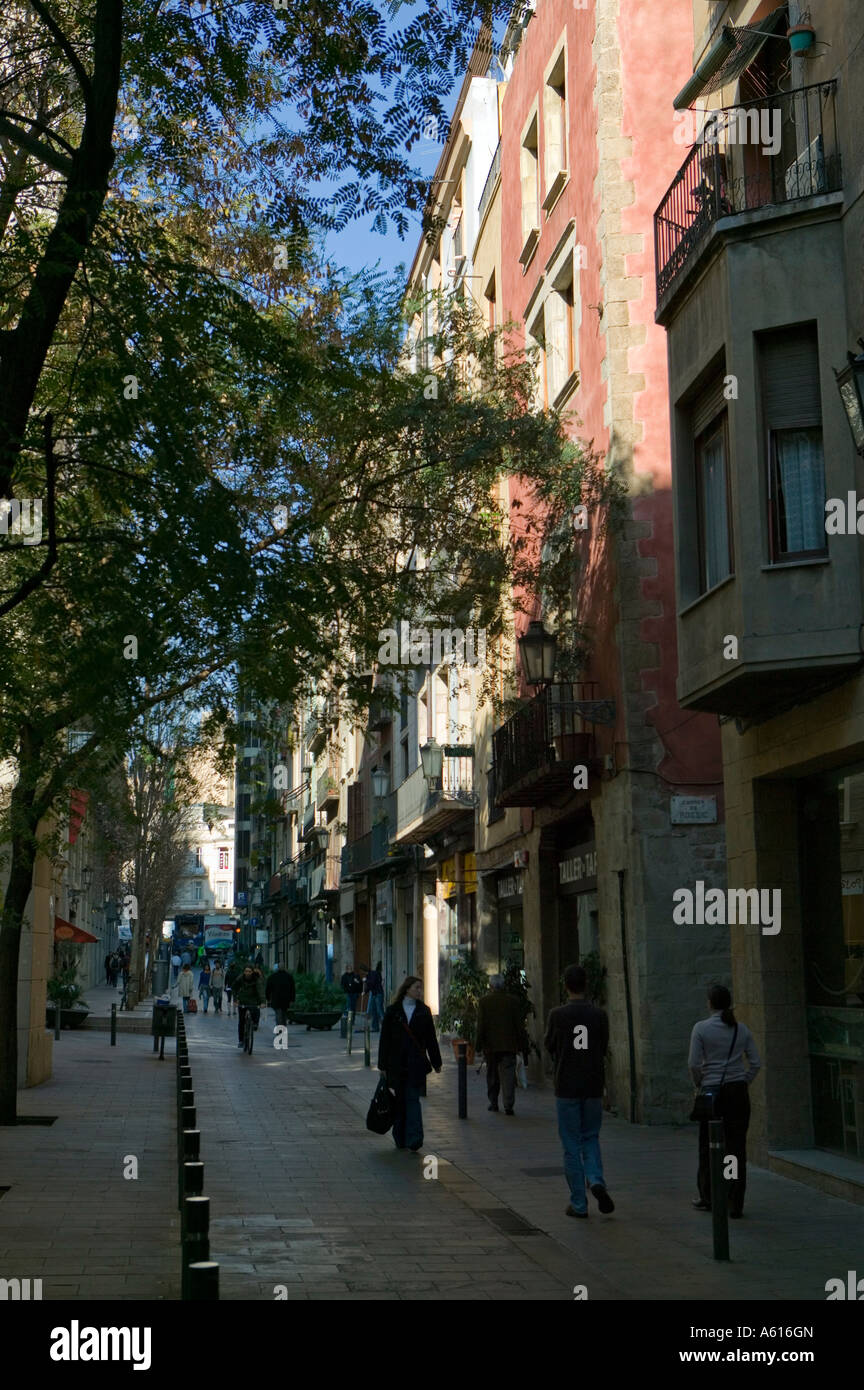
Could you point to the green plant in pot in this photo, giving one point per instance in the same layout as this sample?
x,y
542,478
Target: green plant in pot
x,y
64,991
318,1002
468,983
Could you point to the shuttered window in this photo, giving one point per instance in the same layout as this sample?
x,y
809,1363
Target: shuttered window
x,y
792,414
711,455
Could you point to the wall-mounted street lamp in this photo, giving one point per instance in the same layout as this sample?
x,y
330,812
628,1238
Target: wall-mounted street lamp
x,y
432,761
850,384
86,878
537,649
380,782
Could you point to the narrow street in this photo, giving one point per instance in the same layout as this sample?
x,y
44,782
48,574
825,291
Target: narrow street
x,y
304,1197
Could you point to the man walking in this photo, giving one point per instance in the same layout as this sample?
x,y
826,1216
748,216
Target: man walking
x,y
353,987
500,1035
577,1036
280,992
374,983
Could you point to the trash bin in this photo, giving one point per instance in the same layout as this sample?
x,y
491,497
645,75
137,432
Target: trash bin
x,y
161,969
164,1022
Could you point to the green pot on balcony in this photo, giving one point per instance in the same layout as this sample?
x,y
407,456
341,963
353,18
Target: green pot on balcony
x,y
801,38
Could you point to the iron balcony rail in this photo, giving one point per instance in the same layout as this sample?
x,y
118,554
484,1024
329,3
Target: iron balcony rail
x,y
765,153
550,729
489,185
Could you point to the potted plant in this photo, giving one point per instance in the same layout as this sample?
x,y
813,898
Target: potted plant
x,y
801,36
318,1003
458,1014
65,993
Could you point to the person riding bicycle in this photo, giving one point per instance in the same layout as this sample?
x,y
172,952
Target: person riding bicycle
x,y
249,994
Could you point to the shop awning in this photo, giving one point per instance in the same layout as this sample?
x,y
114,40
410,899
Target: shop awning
x,y
67,931
734,51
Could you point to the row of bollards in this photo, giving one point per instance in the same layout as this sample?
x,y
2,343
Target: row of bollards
x,y
199,1275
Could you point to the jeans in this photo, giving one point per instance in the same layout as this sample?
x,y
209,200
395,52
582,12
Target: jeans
x,y
241,1019
732,1106
185,1003
351,1001
501,1075
216,995
205,995
281,1015
579,1124
408,1125
375,1011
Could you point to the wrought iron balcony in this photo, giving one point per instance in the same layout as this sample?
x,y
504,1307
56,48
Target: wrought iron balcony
x,y
536,750
489,185
424,810
734,168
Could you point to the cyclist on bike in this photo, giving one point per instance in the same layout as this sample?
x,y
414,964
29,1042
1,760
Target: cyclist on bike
x,y
248,994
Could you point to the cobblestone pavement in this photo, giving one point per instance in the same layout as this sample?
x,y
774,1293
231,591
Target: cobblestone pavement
x,y
307,1204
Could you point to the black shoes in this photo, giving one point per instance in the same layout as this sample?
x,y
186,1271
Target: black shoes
x,y
571,1211
509,1112
493,1107
699,1205
604,1201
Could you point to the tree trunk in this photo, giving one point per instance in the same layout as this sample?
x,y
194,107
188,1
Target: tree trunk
x,y
23,842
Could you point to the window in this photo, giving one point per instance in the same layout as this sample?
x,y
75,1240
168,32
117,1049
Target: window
x,y
555,130
198,860
711,477
197,888
224,859
221,894
792,416
530,178
243,844
554,331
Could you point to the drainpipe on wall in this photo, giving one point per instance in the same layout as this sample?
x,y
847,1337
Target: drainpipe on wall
x,y
622,913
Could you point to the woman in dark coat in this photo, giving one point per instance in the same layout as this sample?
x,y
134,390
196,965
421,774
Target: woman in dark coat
x,y
407,1052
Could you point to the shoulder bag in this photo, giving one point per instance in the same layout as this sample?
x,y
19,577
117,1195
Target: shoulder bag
x,y
420,1049
705,1100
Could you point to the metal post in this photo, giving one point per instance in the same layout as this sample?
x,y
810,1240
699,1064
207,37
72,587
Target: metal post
x,y
56,1021
189,1151
367,1053
202,1281
161,1048
113,1025
350,1029
719,1206
195,1245
462,1049
191,1183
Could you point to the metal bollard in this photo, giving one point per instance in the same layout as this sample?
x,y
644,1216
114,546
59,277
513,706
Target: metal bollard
x,y
195,1245
189,1152
719,1206
113,1025
350,1030
56,1022
367,1052
191,1183
463,1080
202,1282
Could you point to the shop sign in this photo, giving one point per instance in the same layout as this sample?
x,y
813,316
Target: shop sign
x,y
851,883
694,810
579,867
511,886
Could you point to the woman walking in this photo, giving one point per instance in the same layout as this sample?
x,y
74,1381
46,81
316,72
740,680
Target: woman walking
x,y
185,985
204,984
217,984
718,1045
408,1051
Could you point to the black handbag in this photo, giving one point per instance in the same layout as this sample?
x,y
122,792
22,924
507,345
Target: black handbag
x,y
705,1100
382,1111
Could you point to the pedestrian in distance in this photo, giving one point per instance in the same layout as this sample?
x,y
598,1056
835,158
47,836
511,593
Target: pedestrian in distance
x,y
577,1036
217,985
108,968
114,969
185,958
374,985
185,986
231,974
718,1045
204,984
175,966
280,992
353,987
249,994
500,1036
407,1052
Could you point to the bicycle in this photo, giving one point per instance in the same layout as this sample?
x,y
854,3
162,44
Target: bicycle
x,y
250,1023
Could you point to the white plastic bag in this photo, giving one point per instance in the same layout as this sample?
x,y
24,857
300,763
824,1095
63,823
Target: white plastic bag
x,y
521,1074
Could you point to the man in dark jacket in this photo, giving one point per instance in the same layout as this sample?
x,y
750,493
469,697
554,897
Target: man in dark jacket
x,y
577,1035
353,987
407,1052
280,992
249,994
500,1035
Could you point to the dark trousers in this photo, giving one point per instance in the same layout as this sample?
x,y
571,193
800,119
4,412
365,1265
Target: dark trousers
x,y
501,1075
733,1108
408,1125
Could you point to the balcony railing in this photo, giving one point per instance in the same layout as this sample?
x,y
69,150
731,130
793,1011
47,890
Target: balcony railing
x,y
489,185
770,152
423,810
368,852
537,749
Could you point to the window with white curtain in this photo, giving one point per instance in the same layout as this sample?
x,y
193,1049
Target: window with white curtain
x,y
792,414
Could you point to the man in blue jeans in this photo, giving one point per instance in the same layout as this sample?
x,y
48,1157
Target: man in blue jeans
x,y
577,1036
